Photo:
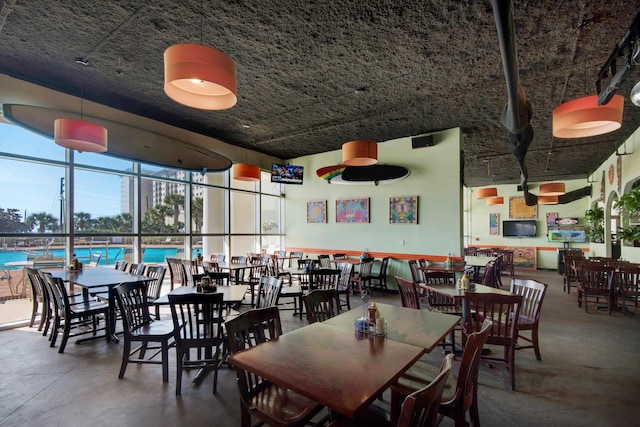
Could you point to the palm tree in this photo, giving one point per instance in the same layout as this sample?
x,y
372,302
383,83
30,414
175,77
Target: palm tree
x,y
82,221
175,202
197,213
43,220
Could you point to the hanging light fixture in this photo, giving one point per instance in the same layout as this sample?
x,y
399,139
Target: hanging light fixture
x,y
485,193
80,135
547,200
552,189
495,201
245,172
583,117
360,153
200,76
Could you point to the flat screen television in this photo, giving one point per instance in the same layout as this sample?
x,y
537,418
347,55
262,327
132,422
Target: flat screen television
x,y
568,234
519,228
286,174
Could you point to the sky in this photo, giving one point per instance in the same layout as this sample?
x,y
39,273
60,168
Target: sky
x,y
36,187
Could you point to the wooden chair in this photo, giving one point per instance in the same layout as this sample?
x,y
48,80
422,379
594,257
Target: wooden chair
x,y
362,279
139,327
323,260
473,251
121,265
238,259
572,265
176,272
506,260
532,296
343,288
210,266
157,273
443,303
339,256
198,333
321,304
190,269
137,269
268,291
504,311
491,274
627,282
419,409
73,316
461,392
268,402
416,274
325,278
595,285
294,257
39,299
218,258
408,293
379,278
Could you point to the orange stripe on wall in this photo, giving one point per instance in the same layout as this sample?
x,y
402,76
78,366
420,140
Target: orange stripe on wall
x,y
356,254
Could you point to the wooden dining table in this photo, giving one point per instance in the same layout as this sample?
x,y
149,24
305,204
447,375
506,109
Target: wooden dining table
x,y
337,367
91,279
421,328
231,294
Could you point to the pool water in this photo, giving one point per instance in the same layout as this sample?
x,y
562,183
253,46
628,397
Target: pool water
x,y
113,254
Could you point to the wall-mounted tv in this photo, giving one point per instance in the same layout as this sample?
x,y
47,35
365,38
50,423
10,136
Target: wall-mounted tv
x,y
568,234
286,174
519,228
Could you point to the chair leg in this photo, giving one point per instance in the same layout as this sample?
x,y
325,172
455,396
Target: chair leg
x,y
534,341
65,335
34,311
165,361
511,365
179,357
125,357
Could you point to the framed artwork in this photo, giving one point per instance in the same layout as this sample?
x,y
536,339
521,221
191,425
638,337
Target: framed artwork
x,y
352,210
524,257
403,210
519,209
317,212
494,221
551,219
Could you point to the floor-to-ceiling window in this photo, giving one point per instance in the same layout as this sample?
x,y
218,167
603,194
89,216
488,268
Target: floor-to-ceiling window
x,y
55,203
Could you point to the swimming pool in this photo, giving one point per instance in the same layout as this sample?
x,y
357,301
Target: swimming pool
x,y
113,254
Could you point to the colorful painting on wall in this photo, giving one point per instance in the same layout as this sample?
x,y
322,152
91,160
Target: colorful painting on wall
x,y
352,210
317,212
403,210
524,257
551,219
518,209
494,224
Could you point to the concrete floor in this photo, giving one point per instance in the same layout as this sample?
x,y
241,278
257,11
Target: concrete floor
x,y
589,375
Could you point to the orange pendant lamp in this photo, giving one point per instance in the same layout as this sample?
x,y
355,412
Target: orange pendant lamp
x,y
552,189
583,117
360,153
485,193
80,135
547,200
491,201
200,77
245,172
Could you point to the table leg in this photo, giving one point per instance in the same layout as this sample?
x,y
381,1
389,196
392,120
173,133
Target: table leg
x,y
111,314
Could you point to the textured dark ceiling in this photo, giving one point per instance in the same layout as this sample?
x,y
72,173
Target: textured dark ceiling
x,y
314,74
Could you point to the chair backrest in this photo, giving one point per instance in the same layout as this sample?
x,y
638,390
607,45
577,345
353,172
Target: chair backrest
x,y
324,278
37,285
197,319
365,267
383,266
408,293
268,291
469,365
176,271
422,262
219,278
439,277
420,408
339,256
190,268
502,309
627,278
133,303
57,294
321,304
136,268
416,275
210,266
238,259
346,268
532,296
121,265
217,257
489,278
324,261
596,275
157,273
470,251
94,259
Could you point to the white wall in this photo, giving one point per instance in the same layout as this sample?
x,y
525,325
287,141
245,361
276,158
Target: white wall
x,y
435,179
